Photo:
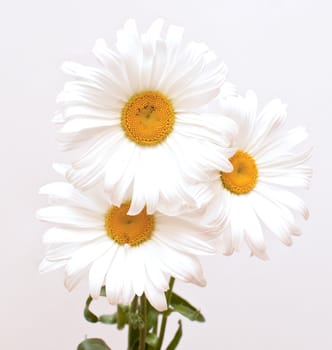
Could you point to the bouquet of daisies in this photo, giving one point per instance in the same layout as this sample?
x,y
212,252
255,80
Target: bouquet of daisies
x,y
175,164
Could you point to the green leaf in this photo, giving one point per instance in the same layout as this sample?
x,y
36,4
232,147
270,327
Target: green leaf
x,y
187,310
176,339
108,319
122,316
93,344
133,338
135,321
103,291
89,316
152,317
135,342
152,339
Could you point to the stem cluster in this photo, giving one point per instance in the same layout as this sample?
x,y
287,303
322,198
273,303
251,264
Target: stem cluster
x,y
151,337
144,330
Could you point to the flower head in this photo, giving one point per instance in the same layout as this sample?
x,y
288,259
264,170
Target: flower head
x,y
129,254
140,115
266,167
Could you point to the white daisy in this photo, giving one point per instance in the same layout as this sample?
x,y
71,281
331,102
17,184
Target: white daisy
x,y
266,167
139,113
130,255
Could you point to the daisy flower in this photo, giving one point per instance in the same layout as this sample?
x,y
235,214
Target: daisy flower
x,y
130,255
140,113
266,167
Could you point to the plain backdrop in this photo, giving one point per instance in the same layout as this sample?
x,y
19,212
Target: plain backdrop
x,y
279,48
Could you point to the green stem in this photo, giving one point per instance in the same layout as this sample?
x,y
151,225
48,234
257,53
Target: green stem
x,y
155,327
142,335
133,308
165,314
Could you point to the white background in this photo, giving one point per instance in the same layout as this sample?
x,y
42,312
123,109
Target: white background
x,y
278,48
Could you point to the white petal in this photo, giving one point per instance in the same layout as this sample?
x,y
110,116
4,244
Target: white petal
x,y
128,38
98,271
282,143
127,293
285,198
185,243
136,263
122,189
69,216
115,68
86,255
158,65
47,266
154,269
73,280
297,177
174,37
61,252
88,170
124,156
60,168
228,89
253,230
155,29
181,266
156,297
138,201
79,124
268,122
114,277
149,175
107,80
80,111
57,235
273,218
64,193
225,243
236,221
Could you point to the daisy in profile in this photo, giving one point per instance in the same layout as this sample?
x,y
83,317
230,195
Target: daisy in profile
x,y
130,255
140,115
266,168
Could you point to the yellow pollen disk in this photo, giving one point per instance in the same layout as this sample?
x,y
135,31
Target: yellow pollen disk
x,y
148,118
128,229
244,176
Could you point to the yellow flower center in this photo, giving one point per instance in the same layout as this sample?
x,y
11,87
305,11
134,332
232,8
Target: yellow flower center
x,y
148,118
244,176
127,229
